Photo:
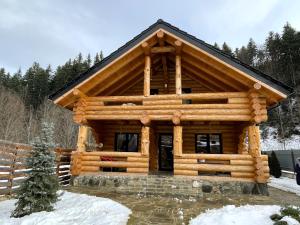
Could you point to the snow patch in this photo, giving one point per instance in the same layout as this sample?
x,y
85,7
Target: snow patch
x,y
243,215
285,184
272,142
71,209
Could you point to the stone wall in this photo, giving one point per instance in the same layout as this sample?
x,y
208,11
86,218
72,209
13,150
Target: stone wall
x,y
166,185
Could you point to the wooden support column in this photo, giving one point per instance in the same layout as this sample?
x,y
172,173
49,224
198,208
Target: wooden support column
x,y
145,140
242,147
147,70
254,150
82,138
178,46
160,35
177,145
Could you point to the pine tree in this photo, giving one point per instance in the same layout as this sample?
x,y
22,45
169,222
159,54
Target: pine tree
x,y
227,49
39,191
274,165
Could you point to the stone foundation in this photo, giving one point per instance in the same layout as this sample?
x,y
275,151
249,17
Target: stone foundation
x,y
166,185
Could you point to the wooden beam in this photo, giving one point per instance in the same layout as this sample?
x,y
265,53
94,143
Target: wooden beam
x,y
145,142
82,138
78,93
177,140
162,49
178,74
160,36
178,47
146,48
147,74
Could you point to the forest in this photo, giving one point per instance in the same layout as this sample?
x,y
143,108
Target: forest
x,y
23,96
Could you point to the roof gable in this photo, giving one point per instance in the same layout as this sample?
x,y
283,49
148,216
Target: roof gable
x,y
230,61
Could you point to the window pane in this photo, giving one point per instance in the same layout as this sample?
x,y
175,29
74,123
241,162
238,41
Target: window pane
x,y
215,144
121,142
202,143
132,142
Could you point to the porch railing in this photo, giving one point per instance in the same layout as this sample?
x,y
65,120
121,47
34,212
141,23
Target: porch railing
x,y
86,162
223,106
238,166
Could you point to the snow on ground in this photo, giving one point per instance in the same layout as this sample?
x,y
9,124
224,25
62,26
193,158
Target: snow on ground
x,y
72,209
285,184
243,215
272,141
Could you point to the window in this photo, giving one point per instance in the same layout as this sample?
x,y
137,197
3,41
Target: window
x,y
126,142
208,143
153,91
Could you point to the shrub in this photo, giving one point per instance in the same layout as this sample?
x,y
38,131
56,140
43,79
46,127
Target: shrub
x,y
274,165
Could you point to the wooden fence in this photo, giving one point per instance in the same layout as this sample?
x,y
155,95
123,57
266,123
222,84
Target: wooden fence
x,y
13,168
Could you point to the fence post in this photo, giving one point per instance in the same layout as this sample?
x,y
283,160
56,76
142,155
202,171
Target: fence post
x,y
12,171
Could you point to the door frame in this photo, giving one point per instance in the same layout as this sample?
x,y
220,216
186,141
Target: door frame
x,y
160,151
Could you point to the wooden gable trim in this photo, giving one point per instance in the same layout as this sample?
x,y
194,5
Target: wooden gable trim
x,y
228,65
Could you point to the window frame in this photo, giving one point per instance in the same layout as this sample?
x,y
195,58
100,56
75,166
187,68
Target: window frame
x,y
127,141
208,142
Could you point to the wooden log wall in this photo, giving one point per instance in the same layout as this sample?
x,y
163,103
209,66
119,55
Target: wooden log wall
x,y
226,106
239,166
93,162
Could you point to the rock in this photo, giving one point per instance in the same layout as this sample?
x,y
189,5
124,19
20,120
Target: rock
x,y
247,188
260,189
207,188
196,184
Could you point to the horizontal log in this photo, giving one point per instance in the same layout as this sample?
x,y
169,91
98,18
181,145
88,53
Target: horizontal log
x,y
216,156
137,170
220,95
186,172
241,162
90,168
169,117
163,102
243,174
186,161
92,107
162,49
214,168
118,164
113,154
137,159
172,111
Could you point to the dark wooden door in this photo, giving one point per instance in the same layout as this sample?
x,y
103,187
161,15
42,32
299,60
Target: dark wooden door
x,y
165,146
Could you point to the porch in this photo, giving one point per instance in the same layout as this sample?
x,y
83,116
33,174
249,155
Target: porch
x,y
206,149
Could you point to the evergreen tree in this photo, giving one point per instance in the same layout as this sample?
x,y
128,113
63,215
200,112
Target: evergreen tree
x,y
37,85
216,45
227,49
98,58
39,191
274,165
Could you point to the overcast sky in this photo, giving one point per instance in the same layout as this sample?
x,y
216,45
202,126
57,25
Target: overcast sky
x,y
52,31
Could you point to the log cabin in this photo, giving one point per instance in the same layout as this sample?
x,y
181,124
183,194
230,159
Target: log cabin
x,y
167,102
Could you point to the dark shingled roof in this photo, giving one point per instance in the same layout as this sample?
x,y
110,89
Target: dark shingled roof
x,y
160,24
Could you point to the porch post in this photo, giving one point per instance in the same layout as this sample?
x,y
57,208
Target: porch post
x,y
242,147
147,69
145,140
254,151
82,138
177,140
178,45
